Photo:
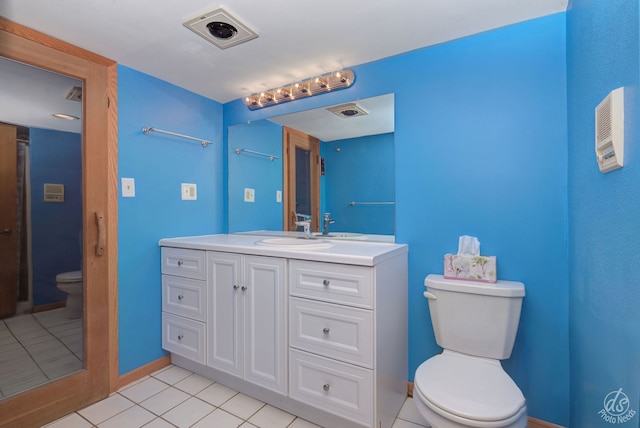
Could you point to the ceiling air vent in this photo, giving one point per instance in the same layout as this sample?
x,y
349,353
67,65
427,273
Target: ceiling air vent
x,y
347,110
75,94
220,28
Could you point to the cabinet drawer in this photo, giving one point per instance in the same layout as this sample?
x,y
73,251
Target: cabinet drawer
x,y
184,337
351,285
183,296
181,262
335,331
333,386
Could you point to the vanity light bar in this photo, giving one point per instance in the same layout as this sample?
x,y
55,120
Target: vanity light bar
x,y
328,82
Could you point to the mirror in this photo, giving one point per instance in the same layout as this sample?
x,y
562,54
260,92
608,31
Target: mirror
x,y
357,182
41,333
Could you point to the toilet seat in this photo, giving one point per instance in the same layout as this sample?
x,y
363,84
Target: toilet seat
x,y
73,276
471,390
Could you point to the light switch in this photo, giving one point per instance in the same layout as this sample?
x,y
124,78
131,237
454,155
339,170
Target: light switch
x,y
278,195
189,192
128,187
249,195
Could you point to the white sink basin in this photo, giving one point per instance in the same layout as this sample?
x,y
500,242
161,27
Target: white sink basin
x,y
295,243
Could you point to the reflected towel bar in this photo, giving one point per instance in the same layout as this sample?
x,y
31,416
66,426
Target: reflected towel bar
x,y
271,157
148,130
352,203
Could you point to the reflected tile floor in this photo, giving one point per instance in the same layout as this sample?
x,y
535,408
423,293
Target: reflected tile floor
x,y
37,348
175,397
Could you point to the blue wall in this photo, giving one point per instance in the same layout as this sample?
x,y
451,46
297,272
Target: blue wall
x,y
363,170
481,149
159,164
56,228
255,172
604,213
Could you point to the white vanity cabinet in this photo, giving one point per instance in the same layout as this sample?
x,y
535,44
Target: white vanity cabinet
x,y
247,318
342,338
318,333
184,303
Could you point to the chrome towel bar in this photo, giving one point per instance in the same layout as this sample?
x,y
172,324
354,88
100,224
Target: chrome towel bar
x,y
271,157
148,130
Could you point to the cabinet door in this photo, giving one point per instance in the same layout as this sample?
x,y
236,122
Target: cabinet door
x,y
225,312
265,316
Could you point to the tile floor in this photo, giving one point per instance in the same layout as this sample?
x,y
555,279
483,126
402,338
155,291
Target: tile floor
x,y
175,397
37,348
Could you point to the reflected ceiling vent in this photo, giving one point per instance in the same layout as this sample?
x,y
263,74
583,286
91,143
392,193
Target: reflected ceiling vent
x,y
347,110
220,28
75,94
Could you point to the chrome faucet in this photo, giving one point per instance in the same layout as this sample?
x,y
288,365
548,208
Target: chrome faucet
x,y
326,221
306,225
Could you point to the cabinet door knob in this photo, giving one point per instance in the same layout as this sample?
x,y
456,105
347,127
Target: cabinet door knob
x,y
326,387
326,282
236,286
243,288
326,330
180,262
180,297
180,337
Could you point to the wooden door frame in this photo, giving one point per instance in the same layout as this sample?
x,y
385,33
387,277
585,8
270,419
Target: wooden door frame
x,y
100,143
9,219
311,144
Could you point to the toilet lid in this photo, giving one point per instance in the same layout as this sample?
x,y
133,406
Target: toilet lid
x,y
470,387
73,276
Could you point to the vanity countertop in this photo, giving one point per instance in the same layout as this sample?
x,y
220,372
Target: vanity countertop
x,y
364,253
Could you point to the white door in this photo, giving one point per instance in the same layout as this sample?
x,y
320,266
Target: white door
x,y
225,312
265,358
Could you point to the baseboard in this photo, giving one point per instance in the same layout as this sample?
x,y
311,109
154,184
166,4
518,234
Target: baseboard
x,y
143,371
537,423
48,307
532,422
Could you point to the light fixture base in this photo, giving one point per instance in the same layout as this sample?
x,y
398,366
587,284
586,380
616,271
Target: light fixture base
x,y
323,84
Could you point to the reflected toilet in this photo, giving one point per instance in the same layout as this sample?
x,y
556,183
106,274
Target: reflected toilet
x,y
72,284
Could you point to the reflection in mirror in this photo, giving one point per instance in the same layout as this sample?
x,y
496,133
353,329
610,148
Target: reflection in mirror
x,y
41,286
357,182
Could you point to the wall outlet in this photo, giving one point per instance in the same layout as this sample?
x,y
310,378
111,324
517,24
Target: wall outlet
x,y
249,195
128,186
189,192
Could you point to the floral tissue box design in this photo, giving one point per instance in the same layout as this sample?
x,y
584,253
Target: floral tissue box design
x,y
473,268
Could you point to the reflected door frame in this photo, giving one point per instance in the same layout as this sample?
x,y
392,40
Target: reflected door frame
x,y
8,220
292,139
99,188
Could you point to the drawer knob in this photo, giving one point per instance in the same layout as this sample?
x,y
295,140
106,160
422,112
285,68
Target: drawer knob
x,y
180,337
326,282
180,297
326,330
180,262
326,387
243,288
236,286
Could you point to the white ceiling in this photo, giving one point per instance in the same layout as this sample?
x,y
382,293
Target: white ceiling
x,y
297,38
327,126
30,95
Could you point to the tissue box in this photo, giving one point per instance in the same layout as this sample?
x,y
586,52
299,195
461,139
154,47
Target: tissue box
x,y
473,268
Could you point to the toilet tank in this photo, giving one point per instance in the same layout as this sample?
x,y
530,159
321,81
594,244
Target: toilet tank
x,y
475,318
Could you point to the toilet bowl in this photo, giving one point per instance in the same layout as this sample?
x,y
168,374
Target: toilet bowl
x,y
72,284
453,390
465,386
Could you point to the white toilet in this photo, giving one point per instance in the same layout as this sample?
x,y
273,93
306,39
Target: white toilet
x,y
465,386
71,283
